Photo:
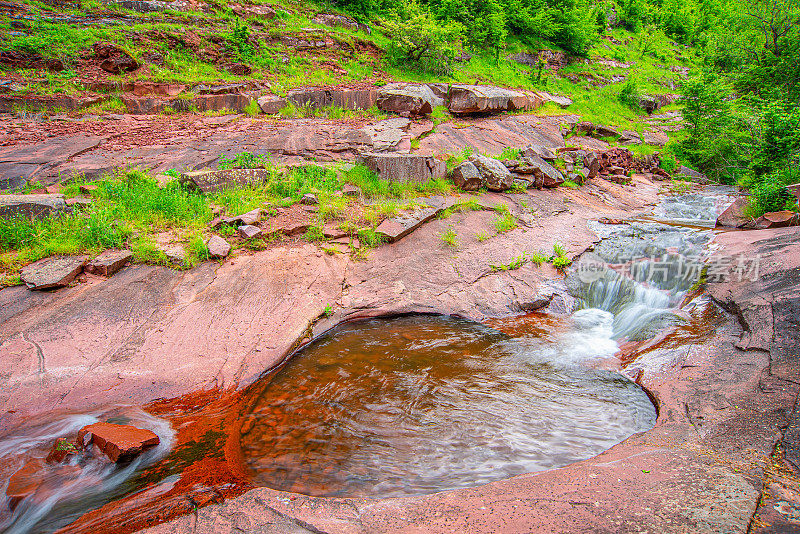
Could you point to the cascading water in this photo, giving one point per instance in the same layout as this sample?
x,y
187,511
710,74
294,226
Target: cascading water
x,y
68,490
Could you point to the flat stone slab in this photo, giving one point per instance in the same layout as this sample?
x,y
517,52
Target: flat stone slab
x,y
51,273
210,181
32,206
109,262
405,167
118,442
400,226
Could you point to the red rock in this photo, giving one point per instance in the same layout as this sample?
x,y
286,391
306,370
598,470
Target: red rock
x,y
733,216
776,219
240,69
62,448
36,479
218,247
119,442
50,273
109,262
248,231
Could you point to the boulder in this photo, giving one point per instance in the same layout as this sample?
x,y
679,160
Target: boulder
x,y
31,206
109,262
248,231
240,69
691,173
605,131
493,173
54,272
540,151
271,104
408,99
592,163
404,167
218,247
119,442
209,181
470,99
115,60
467,177
545,175
562,101
309,199
776,219
733,216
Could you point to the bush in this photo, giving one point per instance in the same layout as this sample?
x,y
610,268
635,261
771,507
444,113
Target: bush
x,y
629,94
769,195
420,42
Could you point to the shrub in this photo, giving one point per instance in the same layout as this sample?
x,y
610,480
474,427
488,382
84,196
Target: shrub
x,y
768,195
420,42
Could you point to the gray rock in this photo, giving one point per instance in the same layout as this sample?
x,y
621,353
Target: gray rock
x,y
545,175
561,101
271,104
493,173
467,177
31,206
109,262
537,150
309,199
592,164
54,272
404,167
248,231
218,247
691,173
468,99
408,99
210,181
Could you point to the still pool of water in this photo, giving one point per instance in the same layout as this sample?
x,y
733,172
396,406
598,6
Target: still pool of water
x,y
420,404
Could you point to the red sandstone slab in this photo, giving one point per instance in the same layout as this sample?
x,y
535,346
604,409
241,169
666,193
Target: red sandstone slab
x,y
119,442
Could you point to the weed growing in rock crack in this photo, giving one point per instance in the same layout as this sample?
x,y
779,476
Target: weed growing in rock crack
x,y
328,311
449,238
314,234
370,238
512,265
570,184
505,223
537,258
559,260
482,236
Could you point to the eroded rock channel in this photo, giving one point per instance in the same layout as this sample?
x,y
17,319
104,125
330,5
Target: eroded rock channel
x,y
412,404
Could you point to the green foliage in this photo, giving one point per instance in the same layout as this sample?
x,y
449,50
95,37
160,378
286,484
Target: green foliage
x,y
511,265
770,194
505,222
420,42
449,237
370,238
629,94
243,160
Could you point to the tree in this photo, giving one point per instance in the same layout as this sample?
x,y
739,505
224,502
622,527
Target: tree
x,y
420,42
776,19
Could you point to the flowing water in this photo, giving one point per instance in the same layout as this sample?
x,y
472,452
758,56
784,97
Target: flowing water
x,y
421,404
407,405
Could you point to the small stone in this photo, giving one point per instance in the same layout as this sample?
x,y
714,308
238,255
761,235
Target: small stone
x,y
248,231
251,217
218,247
118,442
350,190
62,449
309,199
109,262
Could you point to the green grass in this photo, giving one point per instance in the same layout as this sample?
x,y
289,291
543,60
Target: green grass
x,y
505,223
511,265
449,238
